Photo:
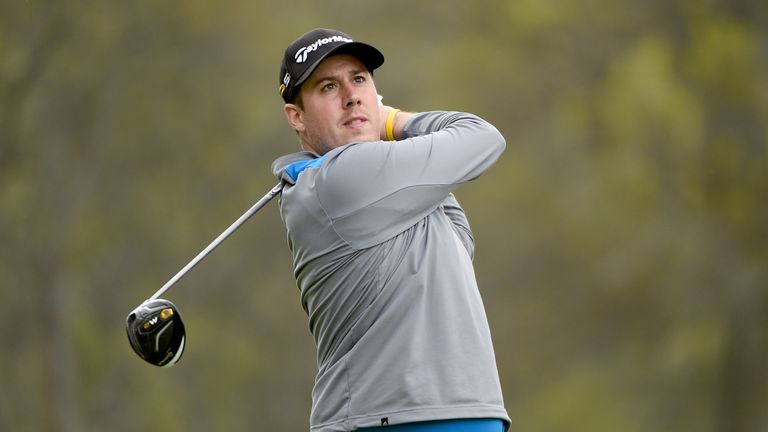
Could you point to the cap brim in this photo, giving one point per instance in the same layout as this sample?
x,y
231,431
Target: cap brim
x,y
368,55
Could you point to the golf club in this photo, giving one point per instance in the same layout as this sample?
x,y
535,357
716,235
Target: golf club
x,y
155,329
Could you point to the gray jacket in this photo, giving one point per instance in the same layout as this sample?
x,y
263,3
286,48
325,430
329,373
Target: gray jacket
x,y
382,255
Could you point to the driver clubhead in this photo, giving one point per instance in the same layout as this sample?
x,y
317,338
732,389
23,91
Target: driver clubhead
x,y
156,332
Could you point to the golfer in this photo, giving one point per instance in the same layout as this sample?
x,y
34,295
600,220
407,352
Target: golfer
x,y
382,251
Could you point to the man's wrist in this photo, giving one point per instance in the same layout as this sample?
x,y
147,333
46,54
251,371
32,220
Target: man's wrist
x,y
390,124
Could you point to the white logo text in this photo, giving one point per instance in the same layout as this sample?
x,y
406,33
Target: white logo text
x,y
301,54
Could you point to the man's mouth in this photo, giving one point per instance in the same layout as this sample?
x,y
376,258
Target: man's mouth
x,y
356,121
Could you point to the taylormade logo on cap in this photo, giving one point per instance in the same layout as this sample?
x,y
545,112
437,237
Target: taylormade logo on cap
x,y
301,54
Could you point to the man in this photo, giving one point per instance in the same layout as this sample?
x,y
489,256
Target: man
x,y
382,250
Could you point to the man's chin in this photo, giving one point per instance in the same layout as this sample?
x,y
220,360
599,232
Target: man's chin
x,y
361,136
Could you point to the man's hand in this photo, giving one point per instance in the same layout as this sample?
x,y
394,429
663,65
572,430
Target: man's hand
x,y
400,118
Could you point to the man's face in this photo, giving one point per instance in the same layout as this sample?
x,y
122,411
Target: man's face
x,y
340,106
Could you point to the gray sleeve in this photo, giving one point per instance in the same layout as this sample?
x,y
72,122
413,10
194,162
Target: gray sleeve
x,y
460,223
375,190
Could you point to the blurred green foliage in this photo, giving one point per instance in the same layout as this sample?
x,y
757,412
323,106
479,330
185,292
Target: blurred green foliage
x,y
622,239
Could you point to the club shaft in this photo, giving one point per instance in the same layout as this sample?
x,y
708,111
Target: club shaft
x,y
223,236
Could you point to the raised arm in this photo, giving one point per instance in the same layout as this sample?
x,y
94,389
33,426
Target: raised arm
x,y
391,185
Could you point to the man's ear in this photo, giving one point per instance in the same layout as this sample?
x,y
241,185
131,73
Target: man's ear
x,y
295,116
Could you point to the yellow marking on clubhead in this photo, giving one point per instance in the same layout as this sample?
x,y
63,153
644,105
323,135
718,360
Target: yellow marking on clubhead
x,y
166,313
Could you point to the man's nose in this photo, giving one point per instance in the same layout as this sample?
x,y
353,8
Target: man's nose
x,y
351,96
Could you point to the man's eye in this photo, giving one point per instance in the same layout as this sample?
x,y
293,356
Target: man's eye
x,y
360,79
329,86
